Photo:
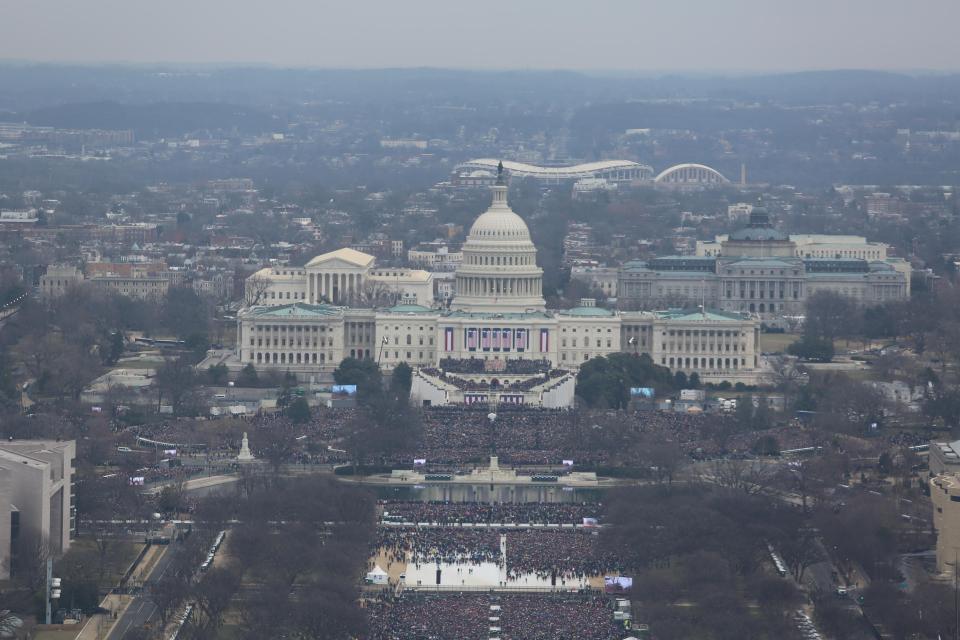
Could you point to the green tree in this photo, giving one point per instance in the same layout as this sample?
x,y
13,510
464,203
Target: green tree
x,y
287,384
766,446
401,380
744,413
299,411
885,464
831,315
363,373
605,382
248,376
8,388
115,348
217,373
176,380
812,348
184,314
762,418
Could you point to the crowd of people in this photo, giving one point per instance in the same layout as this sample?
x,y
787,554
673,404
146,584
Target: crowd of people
x,y
425,545
427,617
520,436
559,555
555,555
471,512
479,365
468,616
465,384
911,438
546,437
548,617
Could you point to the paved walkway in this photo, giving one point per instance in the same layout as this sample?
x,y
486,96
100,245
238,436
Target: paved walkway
x,y
98,626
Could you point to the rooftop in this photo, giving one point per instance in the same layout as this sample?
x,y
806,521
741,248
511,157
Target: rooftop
x,y
346,254
695,315
499,316
587,312
296,310
409,308
532,169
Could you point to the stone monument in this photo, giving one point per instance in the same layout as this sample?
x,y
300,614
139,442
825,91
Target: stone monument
x,y
245,455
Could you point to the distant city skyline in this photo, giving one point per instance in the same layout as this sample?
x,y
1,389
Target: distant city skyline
x,y
613,35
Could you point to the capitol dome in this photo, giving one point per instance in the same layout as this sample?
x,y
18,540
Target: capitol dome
x,y
499,272
500,224
759,239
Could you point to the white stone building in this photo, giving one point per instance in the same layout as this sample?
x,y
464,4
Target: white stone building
x,y
762,271
344,277
36,504
58,278
305,324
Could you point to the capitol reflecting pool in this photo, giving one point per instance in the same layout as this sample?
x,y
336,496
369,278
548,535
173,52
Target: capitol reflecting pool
x,y
499,493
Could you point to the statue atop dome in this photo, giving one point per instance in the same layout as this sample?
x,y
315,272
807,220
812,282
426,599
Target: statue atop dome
x,y
499,272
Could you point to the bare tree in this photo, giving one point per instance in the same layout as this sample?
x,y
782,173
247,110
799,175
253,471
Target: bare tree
x,y
31,560
748,476
167,594
664,459
213,594
800,552
373,293
175,381
255,289
786,377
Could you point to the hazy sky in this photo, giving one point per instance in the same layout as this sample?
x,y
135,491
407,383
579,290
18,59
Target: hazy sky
x,y
596,34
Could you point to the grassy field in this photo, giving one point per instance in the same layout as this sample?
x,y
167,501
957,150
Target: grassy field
x,y
119,556
776,342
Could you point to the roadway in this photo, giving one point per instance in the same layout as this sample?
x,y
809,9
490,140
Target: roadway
x,y
141,609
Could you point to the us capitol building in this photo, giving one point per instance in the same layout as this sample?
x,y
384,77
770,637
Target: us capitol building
x,y
497,342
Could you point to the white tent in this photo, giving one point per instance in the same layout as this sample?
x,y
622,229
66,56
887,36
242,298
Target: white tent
x,y
377,576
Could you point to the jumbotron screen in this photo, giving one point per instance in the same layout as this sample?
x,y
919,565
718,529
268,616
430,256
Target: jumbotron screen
x,y
617,584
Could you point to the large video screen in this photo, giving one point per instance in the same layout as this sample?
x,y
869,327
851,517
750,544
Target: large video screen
x,y
641,392
344,389
617,584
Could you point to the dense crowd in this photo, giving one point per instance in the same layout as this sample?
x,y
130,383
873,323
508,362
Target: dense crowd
x,y
519,617
479,365
548,617
520,513
428,545
483,385
461,436
546,437
429,617
911,438
556,554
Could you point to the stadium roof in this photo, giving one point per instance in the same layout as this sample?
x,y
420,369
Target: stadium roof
x,y
577,170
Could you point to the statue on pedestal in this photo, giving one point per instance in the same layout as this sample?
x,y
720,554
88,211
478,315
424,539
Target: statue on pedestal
x,y
245,455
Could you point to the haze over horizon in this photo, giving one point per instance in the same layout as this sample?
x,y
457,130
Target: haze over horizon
x,y
613,35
